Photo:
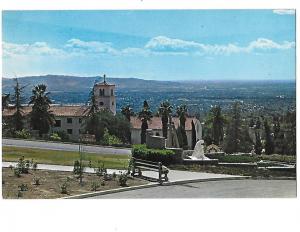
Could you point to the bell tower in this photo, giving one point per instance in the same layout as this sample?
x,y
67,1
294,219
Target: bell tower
x,y
105,95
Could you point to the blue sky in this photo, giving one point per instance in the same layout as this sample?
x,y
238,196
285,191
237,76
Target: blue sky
x,y
159,45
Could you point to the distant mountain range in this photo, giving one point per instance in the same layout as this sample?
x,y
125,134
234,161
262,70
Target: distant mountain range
x,y
61,83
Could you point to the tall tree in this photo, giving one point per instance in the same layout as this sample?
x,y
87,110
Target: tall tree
x,y
92,108
144,115
182,114
17,100
234,130
127,111
258,144
290,140
5,101
41,118
193,135
269,144
217,122
164,111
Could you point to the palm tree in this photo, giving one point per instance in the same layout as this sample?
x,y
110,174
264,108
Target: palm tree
x,y
41,118
127,112
217,122
182,114
144,115
164,111
17,117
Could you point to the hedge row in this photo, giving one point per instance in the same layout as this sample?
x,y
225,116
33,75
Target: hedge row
x,y
166,157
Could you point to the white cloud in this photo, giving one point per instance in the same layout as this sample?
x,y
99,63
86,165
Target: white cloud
x,y
37,48
162,44
284,11
79,46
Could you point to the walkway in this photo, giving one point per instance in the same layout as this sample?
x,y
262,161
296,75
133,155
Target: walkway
x,y
174,175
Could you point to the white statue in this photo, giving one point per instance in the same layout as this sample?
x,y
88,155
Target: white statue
x,y
199,151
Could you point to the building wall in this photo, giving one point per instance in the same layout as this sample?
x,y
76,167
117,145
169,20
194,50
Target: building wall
x,y
75,126
108,99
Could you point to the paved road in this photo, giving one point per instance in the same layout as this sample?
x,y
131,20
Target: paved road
x,y
215,189
65,147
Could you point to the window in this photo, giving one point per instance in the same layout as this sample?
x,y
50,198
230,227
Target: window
x,y
112,92
57,123
69,120
112,103
80,120
101,103
101,92
69,131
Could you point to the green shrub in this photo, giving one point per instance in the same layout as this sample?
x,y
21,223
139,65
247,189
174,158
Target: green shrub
x,y
109,139
233,158
23,134
17,172
64,136
100,169
55,137
123,179
64,188
166,157
23,187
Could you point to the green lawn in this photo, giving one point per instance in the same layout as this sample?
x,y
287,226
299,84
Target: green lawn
x,y
62,157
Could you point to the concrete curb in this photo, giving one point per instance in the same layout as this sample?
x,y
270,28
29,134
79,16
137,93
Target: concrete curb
x,y
100,193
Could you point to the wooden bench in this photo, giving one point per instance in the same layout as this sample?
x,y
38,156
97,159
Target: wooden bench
x,y
138,165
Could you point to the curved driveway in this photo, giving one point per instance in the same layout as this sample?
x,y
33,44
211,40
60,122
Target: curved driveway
x,y
65,147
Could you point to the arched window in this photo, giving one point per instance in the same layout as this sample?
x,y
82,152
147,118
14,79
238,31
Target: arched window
x,y
112,92
101,103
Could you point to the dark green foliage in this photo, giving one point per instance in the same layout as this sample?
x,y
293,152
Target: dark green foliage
x,y
127,112
179,136
116,125
164,111
17,118
100,169
290,140
234,131
166,157
258,144
181,112
41,118
233,158
17,172
23,187
63,135
216,122
5,101
123,179
237,134
251,123
64,187
269,144
193,135
144,115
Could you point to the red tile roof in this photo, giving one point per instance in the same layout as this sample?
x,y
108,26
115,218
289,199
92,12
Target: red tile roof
x,y
155,123
67,111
